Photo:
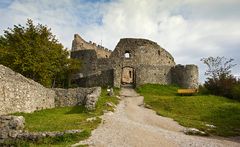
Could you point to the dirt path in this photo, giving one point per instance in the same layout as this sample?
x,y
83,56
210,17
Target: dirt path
x,y
132,125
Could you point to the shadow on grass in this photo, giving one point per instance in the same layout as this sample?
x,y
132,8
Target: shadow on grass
x,y
77,110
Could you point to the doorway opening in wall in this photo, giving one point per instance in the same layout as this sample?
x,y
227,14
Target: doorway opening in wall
x,y
128,77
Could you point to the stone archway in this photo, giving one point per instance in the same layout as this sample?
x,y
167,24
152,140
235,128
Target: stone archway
x,y
127,75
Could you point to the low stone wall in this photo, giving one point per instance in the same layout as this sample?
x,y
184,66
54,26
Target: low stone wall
x,y
77,96
20,94
12,128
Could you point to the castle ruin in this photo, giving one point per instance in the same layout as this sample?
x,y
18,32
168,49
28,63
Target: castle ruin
x,y
133,61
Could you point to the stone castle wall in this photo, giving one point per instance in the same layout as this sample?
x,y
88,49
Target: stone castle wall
x,y
77,96
145,57
91,65
102,78
153,74
80,44
19,94
185,76
148,61
141,51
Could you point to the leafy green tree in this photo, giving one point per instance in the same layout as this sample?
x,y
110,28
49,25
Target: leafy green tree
x,y
33,51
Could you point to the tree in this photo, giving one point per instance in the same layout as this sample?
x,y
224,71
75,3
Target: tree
x,y
218,66
220,80
34,52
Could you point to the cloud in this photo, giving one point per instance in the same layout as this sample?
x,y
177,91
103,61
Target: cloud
x,y
188,29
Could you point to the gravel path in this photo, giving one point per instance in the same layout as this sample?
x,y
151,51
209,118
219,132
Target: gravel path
x,y
132,125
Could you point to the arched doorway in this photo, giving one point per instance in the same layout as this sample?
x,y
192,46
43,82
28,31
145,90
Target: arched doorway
x,y
127,76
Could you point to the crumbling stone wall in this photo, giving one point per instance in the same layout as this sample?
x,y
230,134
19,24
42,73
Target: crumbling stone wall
x,y
144,58
77,96
149,63
185,76
80,44
88,61
19,94
10,127
101,78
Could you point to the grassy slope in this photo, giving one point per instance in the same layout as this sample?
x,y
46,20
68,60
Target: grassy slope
x,y
194,111
67,118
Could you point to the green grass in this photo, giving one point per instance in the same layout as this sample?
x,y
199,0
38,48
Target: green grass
x,y
194,111
67,118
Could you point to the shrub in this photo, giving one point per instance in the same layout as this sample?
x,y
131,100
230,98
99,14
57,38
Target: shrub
x,y
235,92
203,90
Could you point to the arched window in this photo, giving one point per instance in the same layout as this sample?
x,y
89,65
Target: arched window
x,y
127,54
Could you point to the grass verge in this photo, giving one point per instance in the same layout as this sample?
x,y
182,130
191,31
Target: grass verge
x,y
66,118
194,111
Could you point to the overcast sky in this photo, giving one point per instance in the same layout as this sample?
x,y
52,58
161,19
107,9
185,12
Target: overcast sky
x,y
188,29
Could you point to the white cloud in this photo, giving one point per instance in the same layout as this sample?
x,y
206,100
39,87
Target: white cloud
x,y
189,29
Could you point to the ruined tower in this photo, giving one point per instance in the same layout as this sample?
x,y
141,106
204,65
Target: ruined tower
x,y
133,61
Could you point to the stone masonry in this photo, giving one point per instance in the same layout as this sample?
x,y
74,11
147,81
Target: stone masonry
x,y
133,61
20,94
77,96
12,128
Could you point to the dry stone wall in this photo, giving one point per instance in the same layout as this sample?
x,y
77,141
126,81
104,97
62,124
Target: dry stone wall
x,y
10,127
19,94
77,96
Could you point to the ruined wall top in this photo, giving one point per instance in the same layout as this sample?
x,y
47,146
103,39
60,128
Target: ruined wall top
x,y
80,44
135,51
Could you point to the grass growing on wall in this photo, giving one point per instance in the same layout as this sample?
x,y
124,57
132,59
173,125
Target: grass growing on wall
x,y
67,118
194,111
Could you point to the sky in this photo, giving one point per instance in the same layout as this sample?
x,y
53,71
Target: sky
x,y
188,29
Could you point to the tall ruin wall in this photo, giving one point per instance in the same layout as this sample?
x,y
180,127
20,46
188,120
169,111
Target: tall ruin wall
x,y
19,94
90,63
80,44
149,62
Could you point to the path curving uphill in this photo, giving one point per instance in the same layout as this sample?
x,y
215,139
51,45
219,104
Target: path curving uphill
x,y
132,125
